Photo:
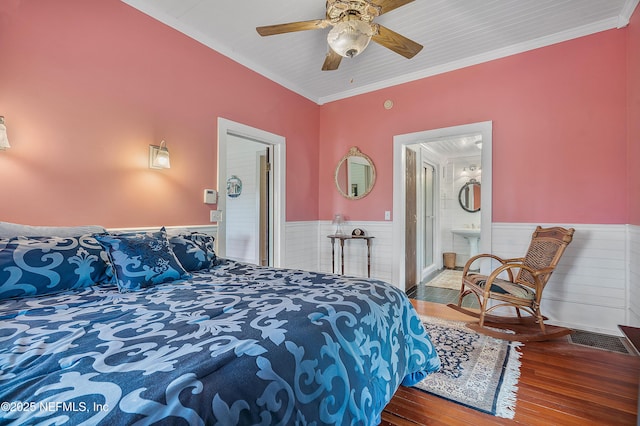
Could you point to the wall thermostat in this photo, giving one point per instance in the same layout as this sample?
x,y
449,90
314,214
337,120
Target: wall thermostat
x,y
210,196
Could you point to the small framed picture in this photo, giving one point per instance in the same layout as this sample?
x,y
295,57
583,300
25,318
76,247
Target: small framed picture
x,y
234,186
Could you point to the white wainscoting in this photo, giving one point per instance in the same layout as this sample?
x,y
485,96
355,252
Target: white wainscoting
x,y
589,288
308,248
301,246
355,251
595,287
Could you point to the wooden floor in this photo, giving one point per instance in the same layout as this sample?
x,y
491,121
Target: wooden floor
x,y
560,384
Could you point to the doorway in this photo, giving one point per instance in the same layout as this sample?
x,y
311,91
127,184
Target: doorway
x,y
248,215
251,188
399,225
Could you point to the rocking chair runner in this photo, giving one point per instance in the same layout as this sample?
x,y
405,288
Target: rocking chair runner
x,y
522,293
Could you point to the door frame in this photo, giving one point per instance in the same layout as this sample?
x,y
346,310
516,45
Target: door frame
x,y
278,207
485,128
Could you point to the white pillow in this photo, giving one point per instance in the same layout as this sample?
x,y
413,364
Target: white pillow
x,y
10,230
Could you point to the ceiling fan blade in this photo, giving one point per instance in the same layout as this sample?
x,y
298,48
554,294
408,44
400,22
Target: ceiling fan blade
x,y
316,24
389,5
396,42
332,61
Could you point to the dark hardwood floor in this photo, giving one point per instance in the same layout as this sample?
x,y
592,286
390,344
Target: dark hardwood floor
x,y
560,384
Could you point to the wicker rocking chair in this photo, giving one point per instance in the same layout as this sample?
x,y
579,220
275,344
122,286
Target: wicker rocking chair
x,y
522,293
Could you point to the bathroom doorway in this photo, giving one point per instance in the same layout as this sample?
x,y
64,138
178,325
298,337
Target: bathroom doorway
x,y
483,131
263,239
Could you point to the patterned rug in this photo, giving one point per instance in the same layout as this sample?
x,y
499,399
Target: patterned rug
x,y
449,278
477,371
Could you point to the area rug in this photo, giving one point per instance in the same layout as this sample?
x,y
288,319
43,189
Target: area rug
x,y
477,371
449,278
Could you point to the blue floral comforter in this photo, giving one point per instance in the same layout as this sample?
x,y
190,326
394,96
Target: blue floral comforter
x,y
237,344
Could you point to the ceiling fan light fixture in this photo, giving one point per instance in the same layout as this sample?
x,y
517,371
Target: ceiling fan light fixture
x,y
350,38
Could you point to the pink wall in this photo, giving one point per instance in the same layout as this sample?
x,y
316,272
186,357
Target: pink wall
x,y
559,131
86,86
633,115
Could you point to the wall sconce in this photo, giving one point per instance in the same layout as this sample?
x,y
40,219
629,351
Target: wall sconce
x,y
159,156
4,139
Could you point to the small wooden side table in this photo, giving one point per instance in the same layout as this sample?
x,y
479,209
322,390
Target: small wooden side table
x,y
342,238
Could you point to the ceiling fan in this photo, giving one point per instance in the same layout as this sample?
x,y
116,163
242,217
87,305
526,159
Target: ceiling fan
x,y
353,28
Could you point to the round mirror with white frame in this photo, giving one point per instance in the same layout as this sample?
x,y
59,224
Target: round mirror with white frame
x,y
355,175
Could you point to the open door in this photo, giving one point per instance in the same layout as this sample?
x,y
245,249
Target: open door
x,y
249,214
411,221
264,209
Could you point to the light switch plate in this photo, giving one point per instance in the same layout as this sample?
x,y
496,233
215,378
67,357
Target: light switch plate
x,y
215,215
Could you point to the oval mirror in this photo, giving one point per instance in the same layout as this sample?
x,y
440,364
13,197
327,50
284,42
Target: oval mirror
x,y
355,175
469,196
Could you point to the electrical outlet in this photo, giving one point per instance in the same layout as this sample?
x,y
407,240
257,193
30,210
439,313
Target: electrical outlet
x,y
387,215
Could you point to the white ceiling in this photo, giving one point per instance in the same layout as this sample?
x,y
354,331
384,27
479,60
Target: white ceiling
x,y
454,33
454,147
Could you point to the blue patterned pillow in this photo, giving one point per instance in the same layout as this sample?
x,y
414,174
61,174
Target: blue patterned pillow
x,y
142,260
194,250
43,265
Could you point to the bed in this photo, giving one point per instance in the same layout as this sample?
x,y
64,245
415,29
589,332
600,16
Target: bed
x,y
150,330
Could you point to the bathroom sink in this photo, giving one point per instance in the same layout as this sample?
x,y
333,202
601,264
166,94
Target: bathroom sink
x,y
467,232
472,235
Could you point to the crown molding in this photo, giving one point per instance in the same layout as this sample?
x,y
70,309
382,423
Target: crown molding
x,y
627,12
